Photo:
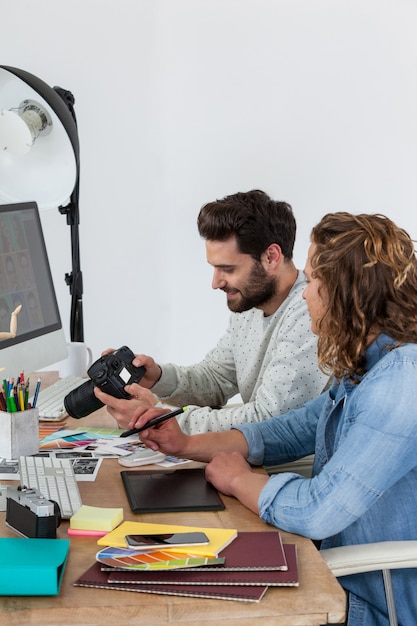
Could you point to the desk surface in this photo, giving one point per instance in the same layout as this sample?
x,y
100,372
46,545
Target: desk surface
x,y
318,600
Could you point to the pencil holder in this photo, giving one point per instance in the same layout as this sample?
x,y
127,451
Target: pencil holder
x,y
19,433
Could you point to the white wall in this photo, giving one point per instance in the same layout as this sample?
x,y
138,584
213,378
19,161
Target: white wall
x,y
180,102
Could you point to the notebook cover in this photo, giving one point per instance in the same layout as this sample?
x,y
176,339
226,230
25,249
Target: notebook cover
x,y
32,567
254,550
173,490
270,578
94,577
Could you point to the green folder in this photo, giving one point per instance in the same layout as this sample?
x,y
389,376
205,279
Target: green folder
x,y
32,567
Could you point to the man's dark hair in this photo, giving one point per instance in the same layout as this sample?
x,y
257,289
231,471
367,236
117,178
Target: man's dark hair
x,y
253,218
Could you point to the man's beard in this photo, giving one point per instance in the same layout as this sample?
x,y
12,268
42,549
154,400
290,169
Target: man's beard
x,y
259,289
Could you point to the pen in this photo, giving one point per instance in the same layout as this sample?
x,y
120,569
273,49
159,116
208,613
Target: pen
x,y
154,422
35,398
26,394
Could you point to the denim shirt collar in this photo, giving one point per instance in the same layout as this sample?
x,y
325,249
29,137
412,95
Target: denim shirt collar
x,y
374,353
378,349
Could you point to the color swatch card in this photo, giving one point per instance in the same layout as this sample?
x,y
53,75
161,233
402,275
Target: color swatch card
x,y
157,560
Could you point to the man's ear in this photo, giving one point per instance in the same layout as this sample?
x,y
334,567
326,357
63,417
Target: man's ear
x,y
271,257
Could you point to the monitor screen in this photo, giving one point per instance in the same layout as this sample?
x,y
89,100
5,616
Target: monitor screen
x,y
26,280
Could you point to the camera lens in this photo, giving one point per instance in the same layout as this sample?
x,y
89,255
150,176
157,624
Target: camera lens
x,y
82,401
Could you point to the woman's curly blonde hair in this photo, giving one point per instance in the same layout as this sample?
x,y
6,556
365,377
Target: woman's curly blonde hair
x,y
367,266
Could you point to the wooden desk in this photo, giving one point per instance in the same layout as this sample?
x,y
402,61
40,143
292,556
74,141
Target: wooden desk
x,y
318,600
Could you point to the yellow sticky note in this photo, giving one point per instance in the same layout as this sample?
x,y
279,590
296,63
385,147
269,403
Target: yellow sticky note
x,y
96,518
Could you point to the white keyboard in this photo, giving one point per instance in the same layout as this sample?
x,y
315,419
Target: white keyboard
x,y
51,399
54,478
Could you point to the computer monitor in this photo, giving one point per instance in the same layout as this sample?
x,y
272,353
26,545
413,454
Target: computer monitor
x,y
25,279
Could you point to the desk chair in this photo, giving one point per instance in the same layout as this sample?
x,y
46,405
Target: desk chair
x,y
384,556
303,467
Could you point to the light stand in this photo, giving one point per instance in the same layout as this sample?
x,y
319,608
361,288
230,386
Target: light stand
x,y
40,161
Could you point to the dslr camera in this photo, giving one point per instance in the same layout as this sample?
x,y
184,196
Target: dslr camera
x,y
111,373
30,514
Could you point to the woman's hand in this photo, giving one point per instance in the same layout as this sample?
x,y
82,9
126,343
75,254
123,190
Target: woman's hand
x,y
224,468
230,473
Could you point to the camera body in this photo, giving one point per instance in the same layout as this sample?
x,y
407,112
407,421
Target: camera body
x,y
115,370
111,373
30,514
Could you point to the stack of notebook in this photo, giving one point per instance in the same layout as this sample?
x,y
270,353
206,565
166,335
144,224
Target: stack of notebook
x,y
243,569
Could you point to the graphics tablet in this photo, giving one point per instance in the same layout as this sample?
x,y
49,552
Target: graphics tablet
x,y
170,490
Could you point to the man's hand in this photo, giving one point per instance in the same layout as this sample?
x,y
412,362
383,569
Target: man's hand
x,y
127,412
153,371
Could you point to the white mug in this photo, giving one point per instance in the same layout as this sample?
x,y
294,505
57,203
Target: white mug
x,y
78,360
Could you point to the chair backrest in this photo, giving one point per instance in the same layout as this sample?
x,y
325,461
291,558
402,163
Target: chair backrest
x,y
383,556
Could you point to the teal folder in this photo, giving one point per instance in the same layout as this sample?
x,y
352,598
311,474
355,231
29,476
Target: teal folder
x,y
32,567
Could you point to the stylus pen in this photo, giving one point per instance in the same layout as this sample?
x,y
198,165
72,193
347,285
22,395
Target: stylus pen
x,y
154,422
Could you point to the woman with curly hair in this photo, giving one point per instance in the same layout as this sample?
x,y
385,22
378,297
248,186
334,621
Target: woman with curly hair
x,y
362,297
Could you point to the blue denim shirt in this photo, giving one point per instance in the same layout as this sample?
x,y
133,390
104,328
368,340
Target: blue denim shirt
x,y
364,483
